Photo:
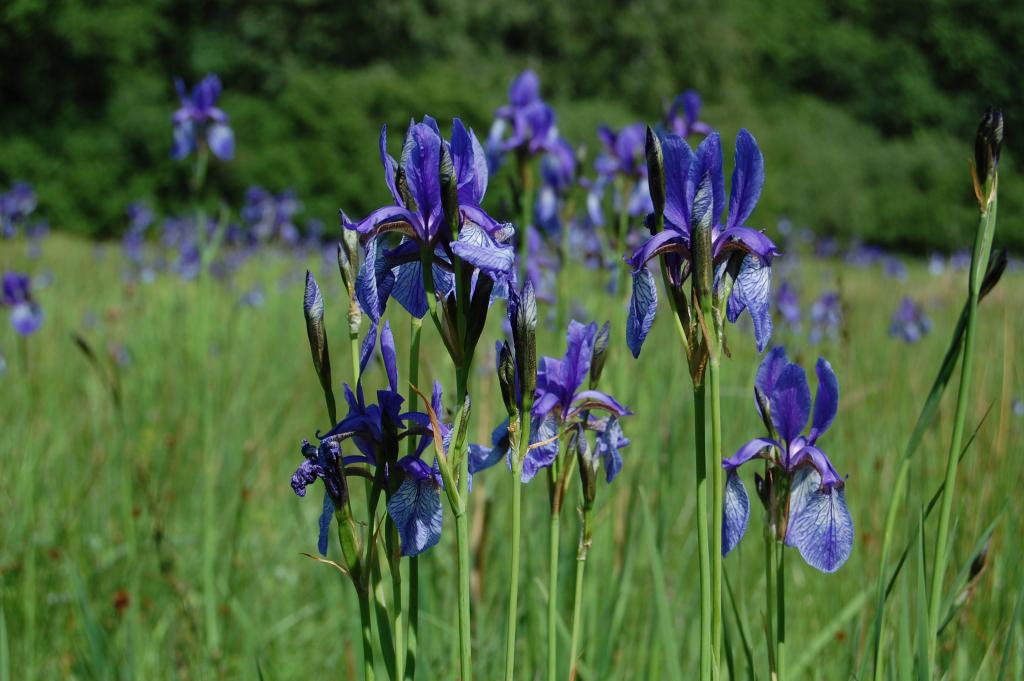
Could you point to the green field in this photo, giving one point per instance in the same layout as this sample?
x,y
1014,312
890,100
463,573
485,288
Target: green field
x,y
157,537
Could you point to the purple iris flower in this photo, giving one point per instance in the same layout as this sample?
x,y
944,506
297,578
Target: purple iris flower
x,y
623,156
894,267
560,398
541,266
936,264
695,191
826,317
140,218
683,117
814,515
418,216
909,322
960,260
558,176
16,293
787,301
15,206
198,118
532,121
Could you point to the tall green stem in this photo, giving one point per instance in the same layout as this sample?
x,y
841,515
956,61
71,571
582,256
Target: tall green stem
x,y
365,622
553,540
703,545
982,245
462,530
769,592
415,333
718,492
577,608
513,587
780,615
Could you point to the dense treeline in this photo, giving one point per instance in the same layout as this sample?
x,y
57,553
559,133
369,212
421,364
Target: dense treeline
x,y
864,108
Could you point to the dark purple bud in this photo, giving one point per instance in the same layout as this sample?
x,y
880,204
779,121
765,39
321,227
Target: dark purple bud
x,y
524,335
600,354
587,464
987,144
703,216
655,171
507,379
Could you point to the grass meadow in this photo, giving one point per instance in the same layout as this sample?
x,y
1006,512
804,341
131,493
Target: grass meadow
x,y
149,530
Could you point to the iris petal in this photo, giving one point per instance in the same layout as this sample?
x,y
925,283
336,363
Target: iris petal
x,y
752,292
325,524
747,179
642,306
790,402
415,509
820,525
826,400
735,512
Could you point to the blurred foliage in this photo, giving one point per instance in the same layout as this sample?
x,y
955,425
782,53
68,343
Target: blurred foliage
x,y
865,108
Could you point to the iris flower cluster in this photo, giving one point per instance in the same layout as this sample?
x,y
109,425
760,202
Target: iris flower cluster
x,y
909,322
803,494
16,204
683,116
270,216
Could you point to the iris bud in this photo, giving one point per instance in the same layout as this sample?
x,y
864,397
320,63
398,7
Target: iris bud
x,y
313,309
524,336
449,190
987,144
702,216
587,465
507,379
996,266
599,355
655,171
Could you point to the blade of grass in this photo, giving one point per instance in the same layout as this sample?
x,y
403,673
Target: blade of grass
x,y
669,632
953,602
1004,663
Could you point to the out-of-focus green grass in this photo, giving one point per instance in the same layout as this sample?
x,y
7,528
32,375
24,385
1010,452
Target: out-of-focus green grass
x,y
102,518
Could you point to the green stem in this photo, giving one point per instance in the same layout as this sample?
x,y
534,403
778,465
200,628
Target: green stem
x,y
982,245
462,531
703,545
780,614
513,587
353,346
367,629
397,613
553,540
718,500
415,333
577,608
769,592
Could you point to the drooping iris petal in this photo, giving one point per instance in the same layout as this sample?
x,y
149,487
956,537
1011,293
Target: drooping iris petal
x,y
820,525
221,140
735,512
752,292
579,351
479,250
770,370
642,306
821,462
747,179
608,443
826,400
408,289
325,524
387,351
373,282
595,399
541,456
747,452
415,509
790,402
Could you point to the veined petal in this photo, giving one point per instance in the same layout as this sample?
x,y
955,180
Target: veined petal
x,y
820,461
642,306
595,399
387,351
579,351
667,241
325,524
415,509
408,289
747,240
608,443
752,292
470,164
820,525
826,400
708,161
678,158
735,512
489,256
384,219
770,370
747,179
544,455
390,166
422,169
790,402
477,216
482,457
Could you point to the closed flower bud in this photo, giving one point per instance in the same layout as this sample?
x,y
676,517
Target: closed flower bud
x,y
987,144
313,309
588,467
449,190
600,354
655,170
507,379
523,313
996,266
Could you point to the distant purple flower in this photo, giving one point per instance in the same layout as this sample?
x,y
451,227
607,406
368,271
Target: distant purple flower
x,y
530,121
558,176
815,515
864,255
16,294
254,297
695,191
15,206
140,218
960,260
787,301
826,247
482,240
936,264
198,119
909,322
683,117
1018,407
269,216
623,157
826,317
894,267
541,266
